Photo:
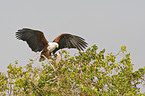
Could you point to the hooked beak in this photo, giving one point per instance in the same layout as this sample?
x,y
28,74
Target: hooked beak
x,y
56,46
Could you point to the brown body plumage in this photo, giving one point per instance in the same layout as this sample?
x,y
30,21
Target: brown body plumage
x,y
37,41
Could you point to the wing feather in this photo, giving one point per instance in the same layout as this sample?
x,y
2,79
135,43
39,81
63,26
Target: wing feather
x,y
70,41
75,45
34,38
82,43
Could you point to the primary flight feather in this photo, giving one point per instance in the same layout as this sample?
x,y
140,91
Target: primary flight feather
x,y
37,41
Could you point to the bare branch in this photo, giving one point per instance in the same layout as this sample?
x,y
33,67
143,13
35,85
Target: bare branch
x,y
49,62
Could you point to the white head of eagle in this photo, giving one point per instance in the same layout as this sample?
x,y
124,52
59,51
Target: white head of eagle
x,y
52,46
38,43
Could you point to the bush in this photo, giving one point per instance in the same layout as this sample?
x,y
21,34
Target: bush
x,y
87,73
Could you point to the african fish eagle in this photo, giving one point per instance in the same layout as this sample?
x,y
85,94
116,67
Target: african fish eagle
x,y
37,42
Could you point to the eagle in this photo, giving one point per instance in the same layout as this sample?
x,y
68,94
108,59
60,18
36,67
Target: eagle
x,y
38,43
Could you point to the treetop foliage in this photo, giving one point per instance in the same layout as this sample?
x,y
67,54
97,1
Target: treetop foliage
x,y
88,73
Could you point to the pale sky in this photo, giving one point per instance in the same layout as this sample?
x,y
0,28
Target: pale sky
x,y
109,24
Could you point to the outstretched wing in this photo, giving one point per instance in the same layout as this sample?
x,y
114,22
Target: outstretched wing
x,y
34,38
70,41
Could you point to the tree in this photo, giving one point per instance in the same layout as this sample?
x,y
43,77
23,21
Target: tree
x,y
87,73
